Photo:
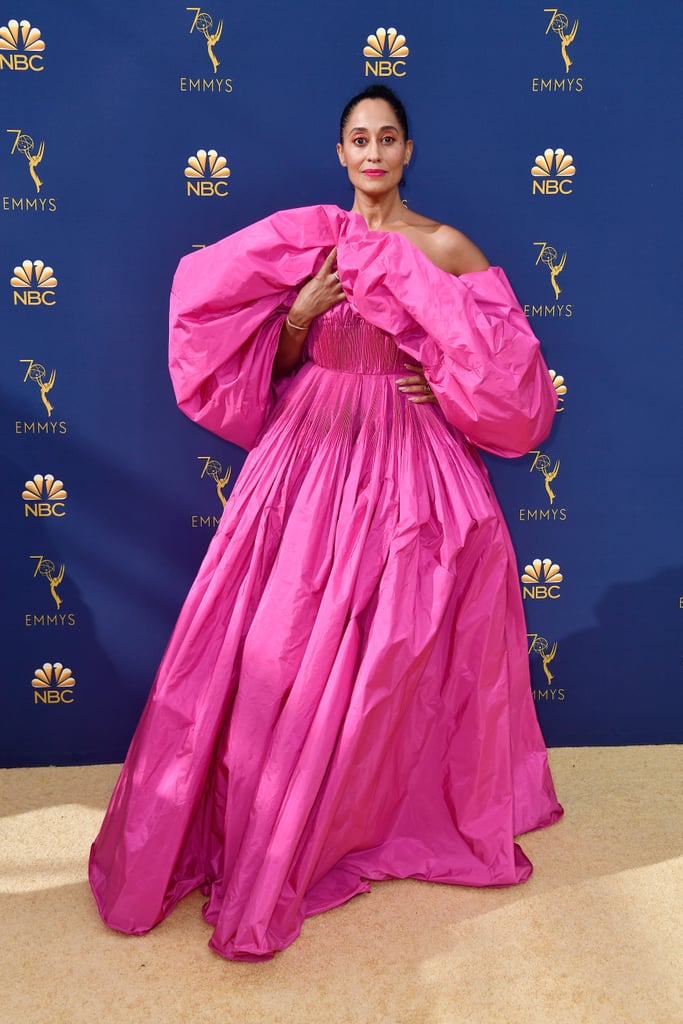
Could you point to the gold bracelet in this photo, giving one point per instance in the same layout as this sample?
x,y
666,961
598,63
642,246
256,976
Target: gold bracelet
x,y
296,327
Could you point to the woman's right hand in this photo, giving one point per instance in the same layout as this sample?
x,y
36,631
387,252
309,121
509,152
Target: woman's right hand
x,y
315,296
318,294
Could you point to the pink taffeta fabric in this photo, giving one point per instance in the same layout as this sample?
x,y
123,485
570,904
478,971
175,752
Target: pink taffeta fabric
x,y
345,696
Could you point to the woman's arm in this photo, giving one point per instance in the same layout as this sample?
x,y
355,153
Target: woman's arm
x,y
318,294
468,332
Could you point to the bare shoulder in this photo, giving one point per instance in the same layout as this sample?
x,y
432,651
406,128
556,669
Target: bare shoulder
x,y
445,246
455,252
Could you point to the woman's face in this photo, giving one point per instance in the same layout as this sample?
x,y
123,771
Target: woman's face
x,y
374,150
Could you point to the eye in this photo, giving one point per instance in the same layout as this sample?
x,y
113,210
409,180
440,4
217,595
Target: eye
x,y
388,139
358,141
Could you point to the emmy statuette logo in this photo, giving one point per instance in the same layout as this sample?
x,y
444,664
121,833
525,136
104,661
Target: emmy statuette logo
x,y
213,470
44,382
207,174
21,47
541,579
36,373
44,496
384,51
552,172
546,652
48,570
544,466
202,26
53,683
548,257
559,24
203,23
23,143
34,284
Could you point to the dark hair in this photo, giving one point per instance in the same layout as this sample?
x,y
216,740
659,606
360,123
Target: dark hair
x,y
375,92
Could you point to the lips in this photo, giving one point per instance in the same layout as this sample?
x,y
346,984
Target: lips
x,y
374,173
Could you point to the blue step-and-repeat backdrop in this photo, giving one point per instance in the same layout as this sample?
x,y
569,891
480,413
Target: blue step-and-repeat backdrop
x,y
132,133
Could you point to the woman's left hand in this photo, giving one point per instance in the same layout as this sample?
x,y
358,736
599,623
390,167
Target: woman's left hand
x,y
416,388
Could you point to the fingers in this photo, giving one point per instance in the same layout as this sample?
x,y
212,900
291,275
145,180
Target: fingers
x,y
416,388
318,293
328,276
328,264
419,394
419,379
423,399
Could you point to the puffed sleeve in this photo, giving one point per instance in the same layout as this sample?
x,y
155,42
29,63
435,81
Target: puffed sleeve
x,y
228,303
477,349
221,366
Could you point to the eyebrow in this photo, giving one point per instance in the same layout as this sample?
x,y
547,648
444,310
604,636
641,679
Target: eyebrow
x,y
384,128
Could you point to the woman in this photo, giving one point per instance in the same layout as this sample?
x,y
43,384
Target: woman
x,y
346,695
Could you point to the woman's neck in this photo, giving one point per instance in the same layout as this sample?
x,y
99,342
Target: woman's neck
x,y
379,212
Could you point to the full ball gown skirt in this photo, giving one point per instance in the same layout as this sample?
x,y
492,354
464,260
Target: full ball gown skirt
x,y
345,696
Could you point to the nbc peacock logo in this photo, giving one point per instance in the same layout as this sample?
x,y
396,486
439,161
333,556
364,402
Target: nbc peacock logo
x,y
44,496
207,174
541,579
553,171
21,47
384,52
34,284
560,388
53,683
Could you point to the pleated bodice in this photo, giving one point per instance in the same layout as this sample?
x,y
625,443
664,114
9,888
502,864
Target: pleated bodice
x,y
342,341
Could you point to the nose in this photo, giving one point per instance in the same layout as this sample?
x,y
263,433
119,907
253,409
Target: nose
x,y
372,151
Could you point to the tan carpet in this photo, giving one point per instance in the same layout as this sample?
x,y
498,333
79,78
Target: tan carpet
x,y
595,936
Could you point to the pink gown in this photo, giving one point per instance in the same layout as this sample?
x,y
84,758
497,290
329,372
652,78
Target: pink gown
x,y
345,696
